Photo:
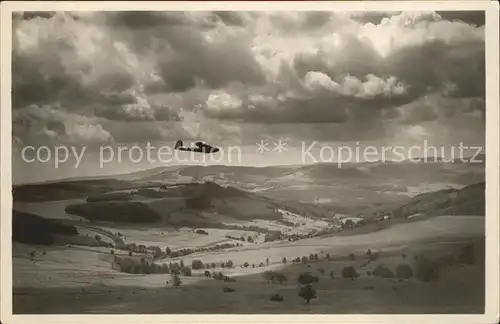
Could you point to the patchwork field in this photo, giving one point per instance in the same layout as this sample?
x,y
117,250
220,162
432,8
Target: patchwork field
x,y
87,284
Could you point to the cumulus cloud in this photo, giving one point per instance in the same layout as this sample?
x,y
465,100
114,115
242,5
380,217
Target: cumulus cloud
x,y
44,125
138,76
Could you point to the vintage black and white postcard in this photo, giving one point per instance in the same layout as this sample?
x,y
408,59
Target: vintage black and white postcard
x,y
271,161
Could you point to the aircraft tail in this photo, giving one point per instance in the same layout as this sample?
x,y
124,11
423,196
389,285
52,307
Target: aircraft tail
x,y
178,144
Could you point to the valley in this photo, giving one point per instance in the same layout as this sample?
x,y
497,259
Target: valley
x,y
136,232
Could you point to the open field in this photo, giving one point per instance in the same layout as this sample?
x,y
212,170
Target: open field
x,y
87,284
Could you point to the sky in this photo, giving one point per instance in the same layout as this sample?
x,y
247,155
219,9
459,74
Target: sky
x,y
234,79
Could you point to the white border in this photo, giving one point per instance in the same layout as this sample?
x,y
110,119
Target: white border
x,y
492,157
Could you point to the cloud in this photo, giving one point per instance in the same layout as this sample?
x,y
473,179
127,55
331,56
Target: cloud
x,y
46,125
138,76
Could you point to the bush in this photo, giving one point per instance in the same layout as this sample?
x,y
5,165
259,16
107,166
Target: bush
x,y
218,276
349,272
306,278
427,270
404,271
246,264
176,281
207,274
196,264
227,289
383,272
202,232
283,260
322,271
304,260
186,272
368,273
276,297
307,292
467,255
229,264
229,279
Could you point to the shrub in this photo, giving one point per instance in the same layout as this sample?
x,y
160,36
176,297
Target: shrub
x,y
304,260
196,264
404,271
307,292
349,272
322,271
202,232
186,272
368,273
229,279
229,264
176,281
306,278
383,272
467,255
207,274
427,270
276,297
281,277
246,264
283,260
227,289
214,265
218,276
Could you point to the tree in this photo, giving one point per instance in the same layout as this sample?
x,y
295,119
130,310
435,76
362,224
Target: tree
x,y
304,260
182,264
186,271
176,281
267,261
349,272
249,239
229,264
129,253
246,265
196,264
328,257
306,278
383,272
283,260
168,252
307,292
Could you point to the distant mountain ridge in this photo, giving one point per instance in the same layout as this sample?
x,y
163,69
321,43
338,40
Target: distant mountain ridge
x,y
469,201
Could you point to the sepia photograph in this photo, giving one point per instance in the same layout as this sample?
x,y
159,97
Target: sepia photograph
x,y
237,161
